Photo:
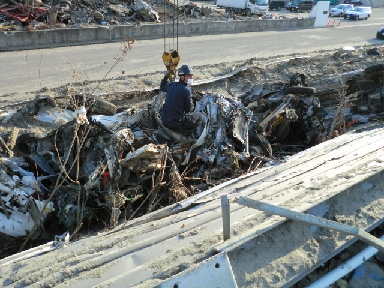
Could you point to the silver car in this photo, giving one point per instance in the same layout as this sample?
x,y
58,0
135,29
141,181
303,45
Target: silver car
x,y
339,10
357,13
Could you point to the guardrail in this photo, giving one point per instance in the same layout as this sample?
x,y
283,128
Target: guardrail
x,y
293,215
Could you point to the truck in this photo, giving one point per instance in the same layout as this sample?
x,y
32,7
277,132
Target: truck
x,y
246,7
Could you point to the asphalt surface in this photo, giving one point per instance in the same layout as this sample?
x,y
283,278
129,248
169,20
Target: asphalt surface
x,y
31,70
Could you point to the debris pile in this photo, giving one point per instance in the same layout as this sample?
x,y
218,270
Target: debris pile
x,y
103,164
48,14
129,161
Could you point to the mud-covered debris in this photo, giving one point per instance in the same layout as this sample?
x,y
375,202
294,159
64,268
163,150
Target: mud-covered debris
x,y
96,168
20,209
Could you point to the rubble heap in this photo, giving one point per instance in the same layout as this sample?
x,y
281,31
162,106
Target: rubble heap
x,y
103,160
37,14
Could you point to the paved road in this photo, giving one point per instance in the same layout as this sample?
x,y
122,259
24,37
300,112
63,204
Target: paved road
x,y
26,71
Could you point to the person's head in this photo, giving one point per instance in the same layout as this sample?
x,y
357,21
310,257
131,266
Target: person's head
x,y
186,74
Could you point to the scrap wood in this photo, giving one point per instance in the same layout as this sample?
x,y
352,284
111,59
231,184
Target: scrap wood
x,y
10,152
12,137
156,184
176,187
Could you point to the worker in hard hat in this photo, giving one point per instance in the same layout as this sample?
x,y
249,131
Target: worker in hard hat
x,y
176,113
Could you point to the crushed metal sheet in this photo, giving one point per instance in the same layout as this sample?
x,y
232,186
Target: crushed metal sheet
x,y
129,157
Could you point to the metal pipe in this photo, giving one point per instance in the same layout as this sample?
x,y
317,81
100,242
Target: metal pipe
x,y
173,22
345,268
313,220
226,217
165,12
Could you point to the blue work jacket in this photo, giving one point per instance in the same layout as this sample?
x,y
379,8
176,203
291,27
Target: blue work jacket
x,y
177,103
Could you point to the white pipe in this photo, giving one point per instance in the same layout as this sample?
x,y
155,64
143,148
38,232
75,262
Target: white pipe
x,y
345,268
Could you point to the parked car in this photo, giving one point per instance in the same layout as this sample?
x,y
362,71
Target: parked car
x,y
276,5
339,10
288,5
357,13
353,2
369,10
301,6
380,33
